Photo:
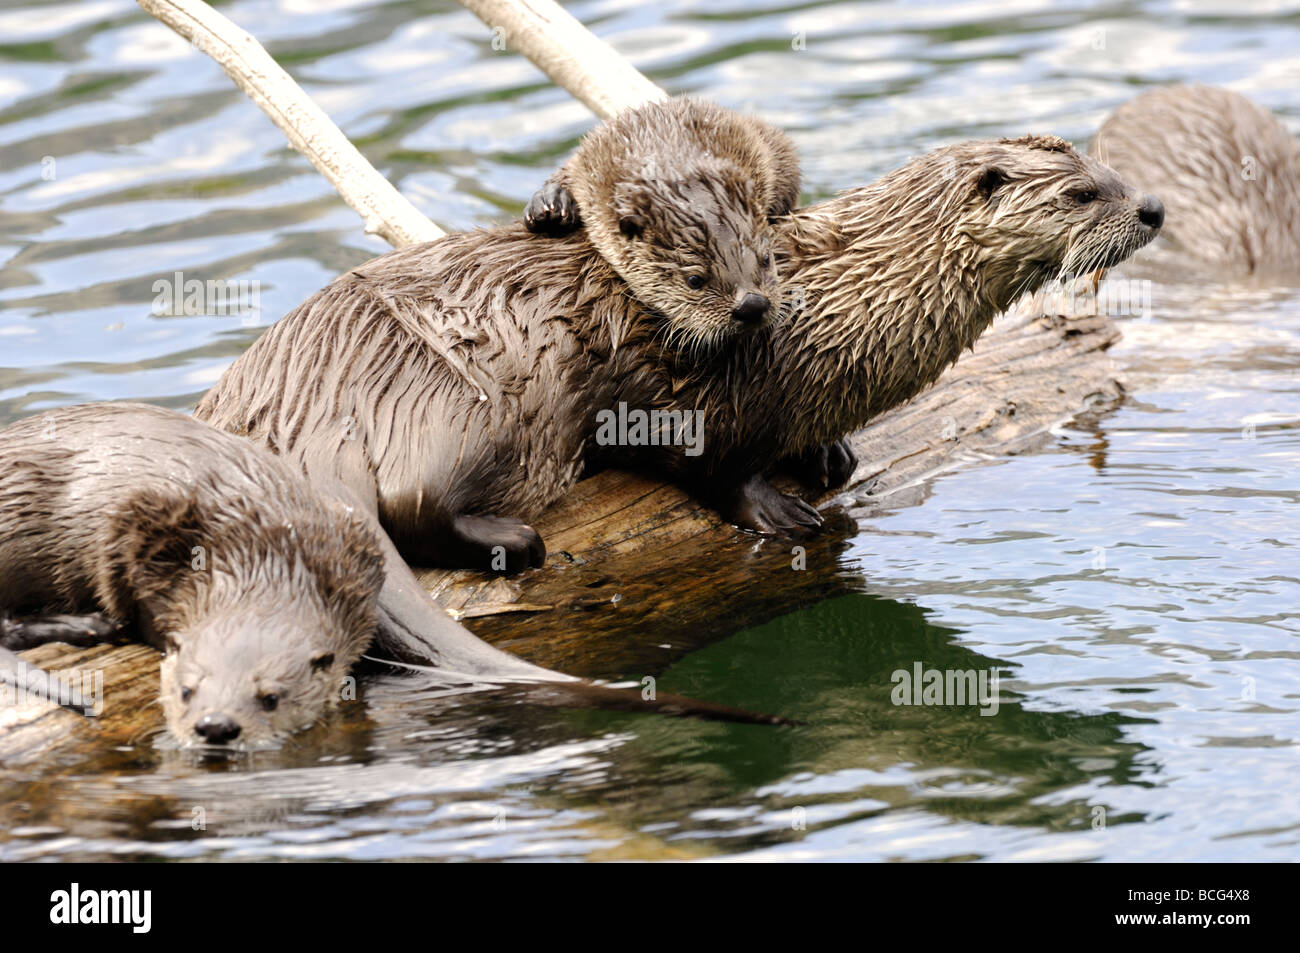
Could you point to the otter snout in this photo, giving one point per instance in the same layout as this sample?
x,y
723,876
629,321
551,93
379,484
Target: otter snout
x,y
216,728
1151,212
751,308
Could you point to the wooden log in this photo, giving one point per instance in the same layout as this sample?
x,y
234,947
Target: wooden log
x,y
567,52
639,574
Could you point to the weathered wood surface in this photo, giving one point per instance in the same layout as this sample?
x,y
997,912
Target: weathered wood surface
x,y
639,574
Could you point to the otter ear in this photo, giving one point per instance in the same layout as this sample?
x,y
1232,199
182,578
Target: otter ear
x,y
349,567
631,205
153,539
631,225
990,179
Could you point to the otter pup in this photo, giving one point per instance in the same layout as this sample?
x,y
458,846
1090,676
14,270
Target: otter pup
x,y
1228,170
262,591
456,386
679,196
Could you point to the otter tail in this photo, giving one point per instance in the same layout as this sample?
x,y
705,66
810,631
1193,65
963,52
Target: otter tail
x,y
563,691
416,633
610,698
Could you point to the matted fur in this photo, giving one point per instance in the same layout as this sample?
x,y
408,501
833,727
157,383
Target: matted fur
x,y
897,278
465,375
1226,169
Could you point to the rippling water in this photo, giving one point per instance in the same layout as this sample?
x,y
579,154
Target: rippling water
x,y
1135,585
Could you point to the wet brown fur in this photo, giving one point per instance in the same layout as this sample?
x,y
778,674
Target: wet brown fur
x,y
1228,171
467,372
252,583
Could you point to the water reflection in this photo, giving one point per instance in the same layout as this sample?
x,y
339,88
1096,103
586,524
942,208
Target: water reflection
x,y
1134,584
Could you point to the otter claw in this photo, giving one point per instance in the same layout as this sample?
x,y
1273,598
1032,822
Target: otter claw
x,y
552,211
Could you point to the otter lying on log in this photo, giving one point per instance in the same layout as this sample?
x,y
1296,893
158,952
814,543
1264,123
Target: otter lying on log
x,y
459,387
262,591
1227,169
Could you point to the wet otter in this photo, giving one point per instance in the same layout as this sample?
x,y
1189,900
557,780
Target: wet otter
x,y
450,383
261,594
262,591
678,197
1228,170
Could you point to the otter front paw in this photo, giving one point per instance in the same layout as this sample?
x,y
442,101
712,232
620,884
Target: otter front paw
x,y
827,467
552,211
761,507
496,544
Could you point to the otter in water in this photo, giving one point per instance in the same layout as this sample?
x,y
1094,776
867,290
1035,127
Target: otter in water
x,y
1227,169
455,387
262,591
261,594
679,196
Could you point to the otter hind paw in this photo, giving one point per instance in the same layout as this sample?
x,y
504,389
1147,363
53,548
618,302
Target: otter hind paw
x,y
764,509
78,630
552,211
497,544
827,467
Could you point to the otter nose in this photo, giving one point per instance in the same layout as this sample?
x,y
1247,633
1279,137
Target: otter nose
x,y
751,308
1151,212
217,729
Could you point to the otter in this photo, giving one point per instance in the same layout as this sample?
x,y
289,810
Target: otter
x,y
262,592
1228,170
679,197
455,386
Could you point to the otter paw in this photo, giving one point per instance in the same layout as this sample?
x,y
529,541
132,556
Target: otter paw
x,y
497,544
552,211
827,467
79,630
764,509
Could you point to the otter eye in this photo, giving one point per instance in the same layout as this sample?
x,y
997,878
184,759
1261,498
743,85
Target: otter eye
x,y
186,693
695,282
270,701
1084,197
321,662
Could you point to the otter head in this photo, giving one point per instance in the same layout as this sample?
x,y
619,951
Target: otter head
x,y
1029,210
695,245
261,611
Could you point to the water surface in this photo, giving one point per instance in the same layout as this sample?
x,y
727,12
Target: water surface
x,y
1134,584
